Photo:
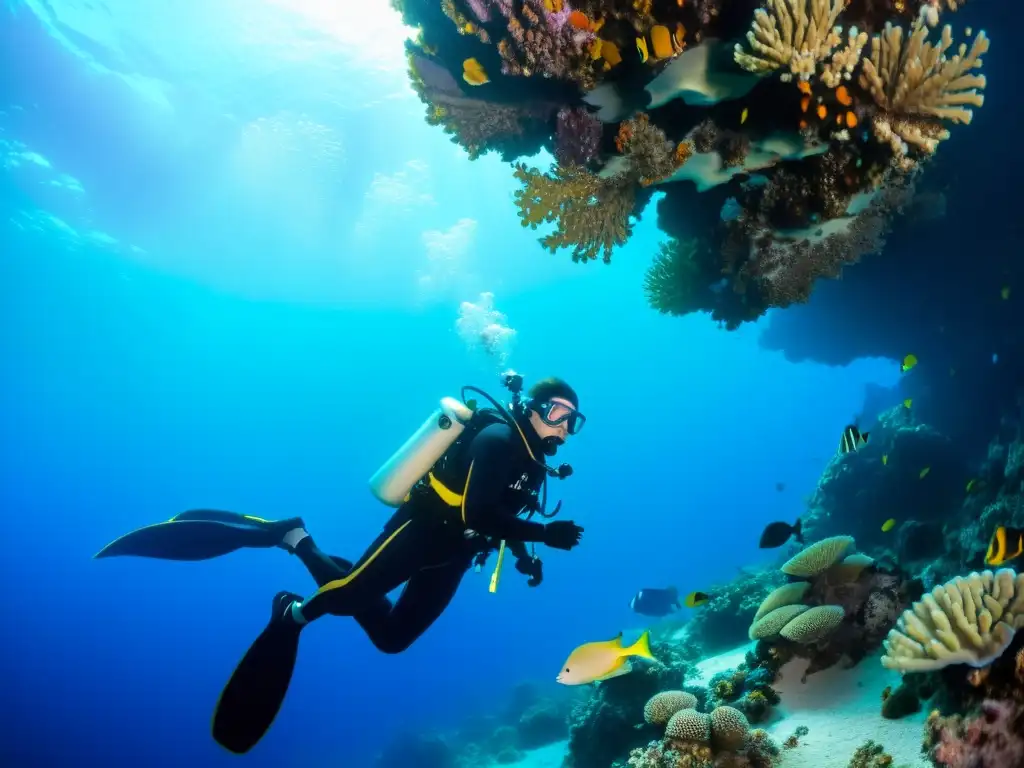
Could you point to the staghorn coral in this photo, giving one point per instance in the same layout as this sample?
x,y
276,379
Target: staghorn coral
x,y
917,85
968,620
797,34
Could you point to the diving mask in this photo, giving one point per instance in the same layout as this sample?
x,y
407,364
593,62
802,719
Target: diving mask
x,y
554,413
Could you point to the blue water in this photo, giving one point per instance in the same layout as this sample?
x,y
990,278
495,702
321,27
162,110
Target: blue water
x,y
232,262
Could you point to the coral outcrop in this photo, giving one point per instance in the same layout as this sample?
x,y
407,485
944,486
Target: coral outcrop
x,y
783,159
969,620
843,611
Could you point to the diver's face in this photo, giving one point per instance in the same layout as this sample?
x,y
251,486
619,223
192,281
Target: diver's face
x,y
560,408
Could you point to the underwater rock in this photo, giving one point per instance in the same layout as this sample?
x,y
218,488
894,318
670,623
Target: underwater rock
x,y
723,622
922,478
421,750
543,723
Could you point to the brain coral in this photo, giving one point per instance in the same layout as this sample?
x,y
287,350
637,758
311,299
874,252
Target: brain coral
x,y
968,620
818,557
813,624
787,594
772,624
689,725
661,706
729,728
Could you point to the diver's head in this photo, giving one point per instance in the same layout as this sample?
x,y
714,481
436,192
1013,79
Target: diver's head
x,y
553,409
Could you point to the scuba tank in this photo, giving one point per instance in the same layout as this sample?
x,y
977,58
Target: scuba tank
x,y
392,483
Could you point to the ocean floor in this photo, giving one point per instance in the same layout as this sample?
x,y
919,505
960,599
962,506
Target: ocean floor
x,y
550,756
840,707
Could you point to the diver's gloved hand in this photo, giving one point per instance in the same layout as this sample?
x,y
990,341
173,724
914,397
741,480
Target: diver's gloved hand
x,y
532,567
562,534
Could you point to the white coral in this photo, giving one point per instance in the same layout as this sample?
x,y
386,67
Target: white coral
x,y
968,620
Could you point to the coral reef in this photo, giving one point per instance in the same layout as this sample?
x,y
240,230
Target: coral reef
x,y
860,490
843,613
783,159
694,739
610,722
993,737
969,620
723,621
870,755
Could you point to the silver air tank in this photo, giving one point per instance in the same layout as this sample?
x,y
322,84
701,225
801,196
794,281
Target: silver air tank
x,y
411,463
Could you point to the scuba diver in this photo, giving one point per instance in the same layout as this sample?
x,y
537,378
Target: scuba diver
x,y
459,484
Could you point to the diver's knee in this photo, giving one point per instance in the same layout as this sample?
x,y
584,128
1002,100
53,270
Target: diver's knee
x,y
393,645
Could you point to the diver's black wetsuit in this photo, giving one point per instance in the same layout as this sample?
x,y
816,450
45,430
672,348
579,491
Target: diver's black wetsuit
x,y
430,542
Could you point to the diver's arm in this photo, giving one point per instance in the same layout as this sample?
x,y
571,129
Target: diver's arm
x,y
518,549
493,458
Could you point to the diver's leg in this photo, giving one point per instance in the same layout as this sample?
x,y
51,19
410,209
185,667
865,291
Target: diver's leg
x,y
321,566
391,560
425,597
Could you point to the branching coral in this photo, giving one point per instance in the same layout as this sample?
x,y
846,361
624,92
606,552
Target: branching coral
x,y
916,85
797,34
593,212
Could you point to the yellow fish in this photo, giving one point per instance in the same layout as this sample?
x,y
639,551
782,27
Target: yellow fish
x,y
602,660
888,525
1005,293
908,362
1006,544
660,43
971,484
473,72
696,599
907,403
924,472
885,459
743,115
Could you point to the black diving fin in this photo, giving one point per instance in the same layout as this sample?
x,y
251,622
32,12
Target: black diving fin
x,y
253,696
200,534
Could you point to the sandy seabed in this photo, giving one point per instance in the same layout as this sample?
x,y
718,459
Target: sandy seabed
x,y
840,707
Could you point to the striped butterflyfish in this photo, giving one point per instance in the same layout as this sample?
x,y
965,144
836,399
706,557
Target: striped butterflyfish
x,y
1006,545
853,439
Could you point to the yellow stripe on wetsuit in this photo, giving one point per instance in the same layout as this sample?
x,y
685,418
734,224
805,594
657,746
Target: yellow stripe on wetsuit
x,y
344,581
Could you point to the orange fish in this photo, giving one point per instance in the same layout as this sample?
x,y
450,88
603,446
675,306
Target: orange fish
x,y
579,20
